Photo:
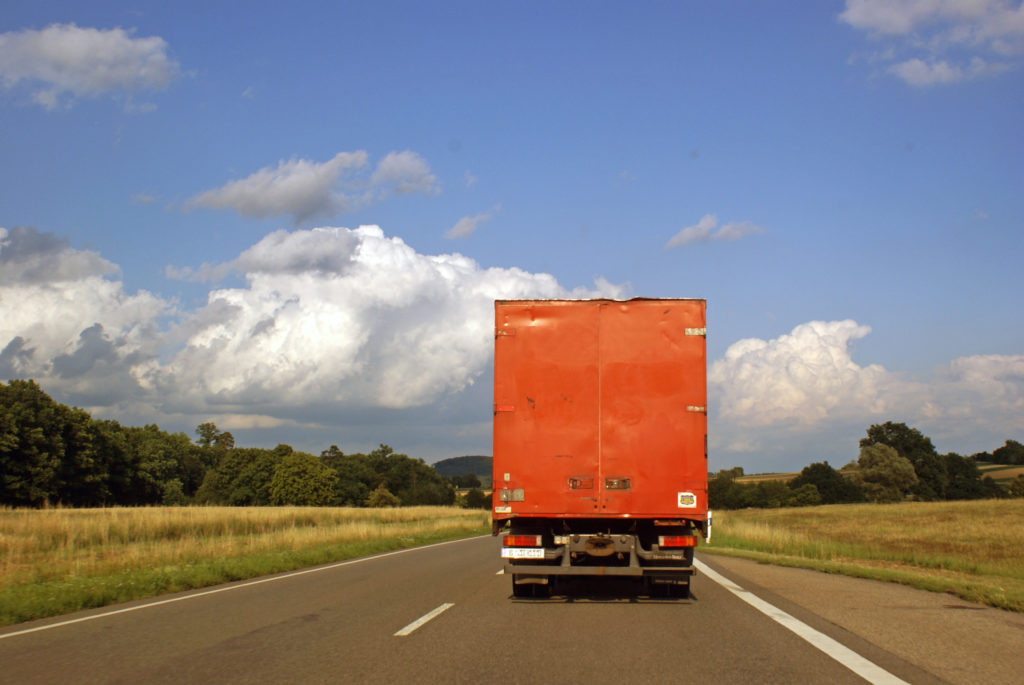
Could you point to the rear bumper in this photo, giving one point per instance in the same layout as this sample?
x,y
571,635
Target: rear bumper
x,y
626,571
579,556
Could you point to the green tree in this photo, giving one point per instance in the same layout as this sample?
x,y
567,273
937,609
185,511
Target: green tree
x,y
964,477
356,478
31,448
883,474
477,499
173,494
769,494
912,445
158,458
832,486
382,497
411,480
1010,453
725,493
991,489
302,479
466,480
213,443
806,495
1016,488
242,478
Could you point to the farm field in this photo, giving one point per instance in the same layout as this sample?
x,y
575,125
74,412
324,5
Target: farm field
x,y
974,549
1001,473
54,561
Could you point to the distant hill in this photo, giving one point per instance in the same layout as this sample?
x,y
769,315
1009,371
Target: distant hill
x,y
460,466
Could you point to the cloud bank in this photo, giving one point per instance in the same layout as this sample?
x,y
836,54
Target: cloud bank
x,y
334,323
770,396
329,318
68,59
303,189
937,42
67,321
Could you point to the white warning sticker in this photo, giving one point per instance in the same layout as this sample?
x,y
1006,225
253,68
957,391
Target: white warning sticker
x,y
687,500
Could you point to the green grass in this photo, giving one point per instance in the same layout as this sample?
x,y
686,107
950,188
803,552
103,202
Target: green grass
x,y
972,549
57,561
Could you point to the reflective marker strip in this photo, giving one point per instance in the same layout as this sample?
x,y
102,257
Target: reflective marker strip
x,y
423,619
869,671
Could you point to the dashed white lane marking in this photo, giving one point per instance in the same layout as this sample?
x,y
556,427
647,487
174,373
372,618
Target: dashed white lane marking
x,y
423,619
868,670
204,593
500,572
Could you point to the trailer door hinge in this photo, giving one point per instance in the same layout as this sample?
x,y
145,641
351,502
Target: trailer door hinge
x,y
696,408
696,331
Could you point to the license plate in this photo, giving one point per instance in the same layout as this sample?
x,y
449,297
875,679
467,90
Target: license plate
x,y
522,553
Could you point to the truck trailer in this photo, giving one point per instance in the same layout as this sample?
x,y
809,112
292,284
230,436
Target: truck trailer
x,y
600,441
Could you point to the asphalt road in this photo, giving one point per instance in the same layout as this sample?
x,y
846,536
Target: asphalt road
x,y
338,624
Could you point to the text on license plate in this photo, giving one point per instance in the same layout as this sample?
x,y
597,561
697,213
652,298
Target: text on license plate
x,y
522,553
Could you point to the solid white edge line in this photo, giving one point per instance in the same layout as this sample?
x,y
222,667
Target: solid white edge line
x,y
239,586
423,619
868,670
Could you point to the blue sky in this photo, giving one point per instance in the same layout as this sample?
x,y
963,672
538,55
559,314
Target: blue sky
x,y
843,182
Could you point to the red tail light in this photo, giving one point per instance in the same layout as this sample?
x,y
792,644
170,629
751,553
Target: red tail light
x,y
521,541
677,541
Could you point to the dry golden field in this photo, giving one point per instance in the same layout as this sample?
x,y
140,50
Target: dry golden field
x,y
58,560
974,549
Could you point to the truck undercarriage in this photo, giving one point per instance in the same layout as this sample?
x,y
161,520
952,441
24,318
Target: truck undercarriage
x,y
541,554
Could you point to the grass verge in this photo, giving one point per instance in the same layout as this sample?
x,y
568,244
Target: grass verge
x,y
974,550
57,561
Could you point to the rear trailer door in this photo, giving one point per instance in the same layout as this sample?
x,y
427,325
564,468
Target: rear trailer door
x,y
546,393
653,408
600,409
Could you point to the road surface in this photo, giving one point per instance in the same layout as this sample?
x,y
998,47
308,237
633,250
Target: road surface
x,y
444,614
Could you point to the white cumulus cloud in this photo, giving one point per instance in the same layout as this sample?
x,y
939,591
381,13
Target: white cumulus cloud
x,y
66,322
467,225
917,72
336,326
403,173
297,187
304,189
341,317
65,58
771,397
803,377
707,229
935,33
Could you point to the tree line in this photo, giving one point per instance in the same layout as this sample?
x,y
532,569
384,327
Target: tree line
x,y
895,463
51,453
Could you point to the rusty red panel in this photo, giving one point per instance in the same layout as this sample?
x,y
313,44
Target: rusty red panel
x,y
600,408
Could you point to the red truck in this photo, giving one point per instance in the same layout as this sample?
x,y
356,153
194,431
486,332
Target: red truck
x,y
600,440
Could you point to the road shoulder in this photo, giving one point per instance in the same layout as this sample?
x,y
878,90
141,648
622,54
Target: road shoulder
x,y
952,639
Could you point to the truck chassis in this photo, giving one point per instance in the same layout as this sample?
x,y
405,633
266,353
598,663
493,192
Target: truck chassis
x,y
579,548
